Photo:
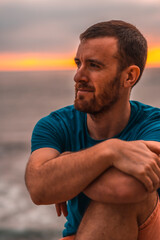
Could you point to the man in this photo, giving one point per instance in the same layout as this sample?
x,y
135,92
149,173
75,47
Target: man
x,y
102,154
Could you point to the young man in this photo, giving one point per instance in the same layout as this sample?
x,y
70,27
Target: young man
x,y
102,154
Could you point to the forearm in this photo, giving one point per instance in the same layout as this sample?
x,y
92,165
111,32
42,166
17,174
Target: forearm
x,y
61,178
114,186
52,178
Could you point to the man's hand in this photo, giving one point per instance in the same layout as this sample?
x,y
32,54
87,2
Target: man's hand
x,y
139,159
61,208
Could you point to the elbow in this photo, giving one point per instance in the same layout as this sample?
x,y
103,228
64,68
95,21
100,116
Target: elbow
x,y
37,191
39,196
35,197
34,193
33,185
37,186
36,200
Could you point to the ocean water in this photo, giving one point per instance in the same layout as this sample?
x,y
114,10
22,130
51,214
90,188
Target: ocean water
x,y
25,97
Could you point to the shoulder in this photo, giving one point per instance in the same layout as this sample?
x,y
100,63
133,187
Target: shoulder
x,y
57,128
61,116
145,111
61,121
66,112
147,121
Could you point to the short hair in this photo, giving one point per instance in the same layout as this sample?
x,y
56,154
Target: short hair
x,y
132,46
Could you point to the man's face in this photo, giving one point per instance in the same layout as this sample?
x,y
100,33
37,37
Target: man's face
x,y
97,78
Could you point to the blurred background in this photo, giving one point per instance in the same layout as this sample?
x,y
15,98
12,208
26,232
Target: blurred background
x,y
38,41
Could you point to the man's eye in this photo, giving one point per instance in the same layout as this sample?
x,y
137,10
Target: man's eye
x,y
78,64
94,65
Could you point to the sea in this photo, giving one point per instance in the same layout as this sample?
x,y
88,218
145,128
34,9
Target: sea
x,y
25,97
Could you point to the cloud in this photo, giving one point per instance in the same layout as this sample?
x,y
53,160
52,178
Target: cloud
x,y
54,25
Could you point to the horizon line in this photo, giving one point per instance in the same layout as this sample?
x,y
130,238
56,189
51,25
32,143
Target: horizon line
x,y
56,62
58,70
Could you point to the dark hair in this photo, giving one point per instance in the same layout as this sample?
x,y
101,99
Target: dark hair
x,y
132,46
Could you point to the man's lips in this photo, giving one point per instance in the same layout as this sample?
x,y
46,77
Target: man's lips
x,y
84,90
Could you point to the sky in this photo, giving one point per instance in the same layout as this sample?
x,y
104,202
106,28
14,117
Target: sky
x,y
44,34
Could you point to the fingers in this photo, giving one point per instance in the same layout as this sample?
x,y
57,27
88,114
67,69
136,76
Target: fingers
x,y
154,172
61,208
153,185
156,167
143,164
150,176
147,180
158,160
153,146
64,209
147,183
58,209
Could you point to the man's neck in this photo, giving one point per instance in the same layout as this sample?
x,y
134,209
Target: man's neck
x,y
110,123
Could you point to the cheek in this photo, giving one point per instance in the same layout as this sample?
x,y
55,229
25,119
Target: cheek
x,y
100,87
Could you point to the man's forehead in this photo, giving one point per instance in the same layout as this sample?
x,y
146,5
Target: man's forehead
x,y
98,45
107,39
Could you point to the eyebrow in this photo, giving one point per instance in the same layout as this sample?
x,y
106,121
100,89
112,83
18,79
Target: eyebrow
x,y
91,61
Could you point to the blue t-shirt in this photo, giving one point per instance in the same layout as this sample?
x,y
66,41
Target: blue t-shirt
x,y
66,130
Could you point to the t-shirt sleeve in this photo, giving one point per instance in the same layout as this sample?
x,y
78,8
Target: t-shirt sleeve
x,y
47,133
150,130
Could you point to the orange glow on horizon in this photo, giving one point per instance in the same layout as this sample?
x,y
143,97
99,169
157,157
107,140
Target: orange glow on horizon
x,y
44,62
153,59
35,62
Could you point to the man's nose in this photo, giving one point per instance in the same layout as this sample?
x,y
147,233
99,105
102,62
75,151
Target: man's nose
x,y
81,75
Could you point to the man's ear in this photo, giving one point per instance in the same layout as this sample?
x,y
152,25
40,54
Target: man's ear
x,y
131,75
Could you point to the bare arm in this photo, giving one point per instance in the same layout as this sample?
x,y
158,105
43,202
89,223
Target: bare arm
x,y
53,178
114,186
118,187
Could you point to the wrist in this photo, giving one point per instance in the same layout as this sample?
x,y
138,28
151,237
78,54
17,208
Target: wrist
x,y
110,151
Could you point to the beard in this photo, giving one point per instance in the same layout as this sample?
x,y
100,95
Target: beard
x,y
100,103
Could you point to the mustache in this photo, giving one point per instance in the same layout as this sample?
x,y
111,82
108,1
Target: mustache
x,y
84,85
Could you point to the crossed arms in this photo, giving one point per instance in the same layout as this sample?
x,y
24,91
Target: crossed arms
x,y
112,171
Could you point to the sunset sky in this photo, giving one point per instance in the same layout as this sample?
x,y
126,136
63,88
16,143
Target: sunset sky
x,y
43,34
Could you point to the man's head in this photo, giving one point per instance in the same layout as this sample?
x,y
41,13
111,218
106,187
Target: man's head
x,y
132,46
110,59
